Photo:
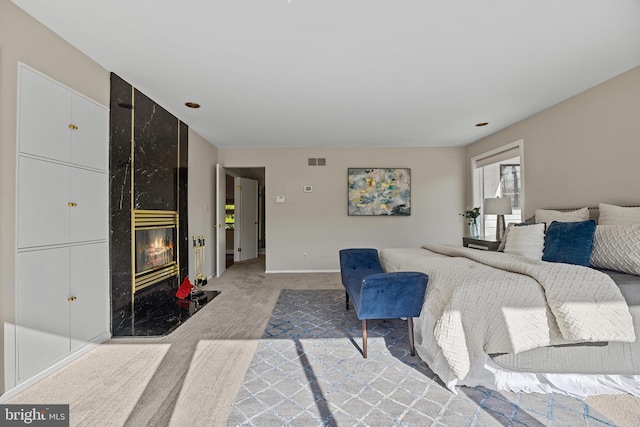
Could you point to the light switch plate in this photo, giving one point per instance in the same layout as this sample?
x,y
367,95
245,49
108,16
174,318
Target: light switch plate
x,y
279,199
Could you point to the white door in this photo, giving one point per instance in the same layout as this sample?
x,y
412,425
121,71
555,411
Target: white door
x,y
90,135
89,215
221,238
42,309
43,203
246,235
89,285
45,115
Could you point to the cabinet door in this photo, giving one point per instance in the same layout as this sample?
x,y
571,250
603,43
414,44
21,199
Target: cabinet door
x,y
42,309
90,285
43,197
90,141
89,216
45,113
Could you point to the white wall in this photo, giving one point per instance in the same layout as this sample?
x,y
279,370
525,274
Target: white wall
x,y
23,39
202,202
317,223
580,152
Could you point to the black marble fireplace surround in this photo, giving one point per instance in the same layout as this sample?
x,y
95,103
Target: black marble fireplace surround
x,y
156,164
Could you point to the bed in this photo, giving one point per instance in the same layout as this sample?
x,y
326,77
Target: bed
x,y
558,316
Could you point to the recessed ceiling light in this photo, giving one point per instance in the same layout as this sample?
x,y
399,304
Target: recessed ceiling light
x,y
192,104
482,124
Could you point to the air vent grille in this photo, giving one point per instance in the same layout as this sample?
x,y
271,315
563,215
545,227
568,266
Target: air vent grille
x,y
317,161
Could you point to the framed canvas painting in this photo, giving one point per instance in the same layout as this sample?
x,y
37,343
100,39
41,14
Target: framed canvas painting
x,y
379,191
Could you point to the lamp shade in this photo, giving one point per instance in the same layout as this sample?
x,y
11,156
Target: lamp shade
x,y
497,206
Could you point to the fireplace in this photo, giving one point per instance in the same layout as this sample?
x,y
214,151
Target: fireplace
x,y
154,247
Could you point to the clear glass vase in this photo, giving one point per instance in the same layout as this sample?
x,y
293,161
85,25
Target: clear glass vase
x,y
473,229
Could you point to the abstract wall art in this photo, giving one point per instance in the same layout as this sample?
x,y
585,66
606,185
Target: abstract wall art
x,y
379,191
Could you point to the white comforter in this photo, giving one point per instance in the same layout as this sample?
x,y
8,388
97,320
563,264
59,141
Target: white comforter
x,y
478,303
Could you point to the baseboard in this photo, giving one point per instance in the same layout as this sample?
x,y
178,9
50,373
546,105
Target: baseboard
x,y
302,271
22,386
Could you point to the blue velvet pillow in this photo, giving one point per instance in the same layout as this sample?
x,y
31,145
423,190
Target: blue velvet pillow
x,y
569,242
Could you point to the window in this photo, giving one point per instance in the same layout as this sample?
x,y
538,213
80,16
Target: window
x,y
229,217
510,183
498,173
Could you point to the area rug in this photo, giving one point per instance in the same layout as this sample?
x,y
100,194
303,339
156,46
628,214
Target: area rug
x,y
308,370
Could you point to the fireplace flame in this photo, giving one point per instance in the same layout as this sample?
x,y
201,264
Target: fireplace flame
x,y
155,249
154,240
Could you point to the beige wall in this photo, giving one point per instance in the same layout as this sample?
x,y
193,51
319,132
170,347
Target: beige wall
x,y
202,203
580,152
24,39
317,223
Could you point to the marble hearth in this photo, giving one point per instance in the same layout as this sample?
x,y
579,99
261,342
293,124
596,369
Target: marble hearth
x,y
158,312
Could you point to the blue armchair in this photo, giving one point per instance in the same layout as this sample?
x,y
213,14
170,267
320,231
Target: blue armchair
x,y
379,295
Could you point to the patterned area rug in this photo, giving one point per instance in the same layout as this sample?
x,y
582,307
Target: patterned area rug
x,y
308,371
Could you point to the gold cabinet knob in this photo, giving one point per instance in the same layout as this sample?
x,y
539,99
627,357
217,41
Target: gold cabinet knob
x,y
72,299
72,204
73,127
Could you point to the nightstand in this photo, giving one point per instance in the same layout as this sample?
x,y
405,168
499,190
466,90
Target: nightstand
x,y
485,243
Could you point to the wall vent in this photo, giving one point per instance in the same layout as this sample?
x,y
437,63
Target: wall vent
x,y
317,161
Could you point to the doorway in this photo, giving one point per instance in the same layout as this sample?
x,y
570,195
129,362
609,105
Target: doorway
x,y
240,215
229,220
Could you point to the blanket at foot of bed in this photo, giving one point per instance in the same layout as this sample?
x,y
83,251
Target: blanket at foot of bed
x,y
478,303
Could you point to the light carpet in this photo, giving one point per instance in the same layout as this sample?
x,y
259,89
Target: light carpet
x,y
192,376
308,371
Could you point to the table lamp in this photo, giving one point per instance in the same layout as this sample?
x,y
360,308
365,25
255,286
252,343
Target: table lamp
x,y
501,207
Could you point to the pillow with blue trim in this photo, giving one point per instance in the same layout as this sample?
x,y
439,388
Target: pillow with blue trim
x,y
569,242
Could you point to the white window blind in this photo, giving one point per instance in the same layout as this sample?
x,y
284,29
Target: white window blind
x,y
500,156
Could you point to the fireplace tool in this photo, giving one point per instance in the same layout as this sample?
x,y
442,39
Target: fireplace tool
x,y
198,247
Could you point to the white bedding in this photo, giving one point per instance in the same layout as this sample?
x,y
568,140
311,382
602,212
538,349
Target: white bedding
x,y
479,303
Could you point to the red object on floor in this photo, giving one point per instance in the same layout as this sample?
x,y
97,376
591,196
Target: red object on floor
x,y
184,289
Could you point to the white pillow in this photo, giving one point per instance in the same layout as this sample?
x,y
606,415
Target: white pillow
x,y
617,247
526,240
548,216
503,242
618,215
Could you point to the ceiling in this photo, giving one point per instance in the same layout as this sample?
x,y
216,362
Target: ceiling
x,y
352,73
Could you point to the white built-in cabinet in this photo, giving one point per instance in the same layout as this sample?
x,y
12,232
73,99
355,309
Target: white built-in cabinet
x,y
62,277
59,124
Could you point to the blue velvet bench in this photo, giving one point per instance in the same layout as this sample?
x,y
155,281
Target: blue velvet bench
x,y
379,295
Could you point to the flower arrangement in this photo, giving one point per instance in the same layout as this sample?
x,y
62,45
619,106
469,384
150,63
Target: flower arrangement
x,y
471,215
